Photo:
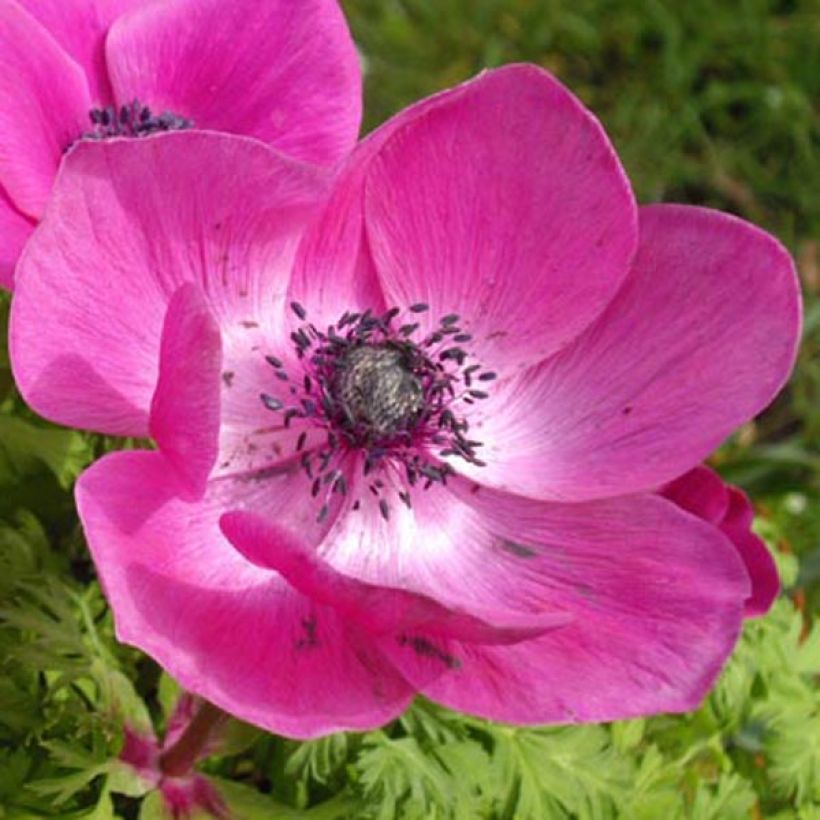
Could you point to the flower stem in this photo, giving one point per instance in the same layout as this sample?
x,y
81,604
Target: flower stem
x,y
178,759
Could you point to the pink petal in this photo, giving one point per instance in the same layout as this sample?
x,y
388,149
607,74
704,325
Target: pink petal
x,y
701,338
761,568
703,493
438,547
284,72
15,229
45,108
504,204
655,594
478,552
740,512
251,437
80,27
185,408
227,630
379,609
334,270
131,221
758,560
700,492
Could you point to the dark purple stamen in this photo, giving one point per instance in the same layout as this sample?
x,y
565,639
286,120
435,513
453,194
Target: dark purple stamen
x,y
132,120
377,391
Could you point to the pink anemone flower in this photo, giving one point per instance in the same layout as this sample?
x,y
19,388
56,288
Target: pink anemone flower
x,y
421,452
284,72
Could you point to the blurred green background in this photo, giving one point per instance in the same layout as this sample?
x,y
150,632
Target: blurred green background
x,y
710,103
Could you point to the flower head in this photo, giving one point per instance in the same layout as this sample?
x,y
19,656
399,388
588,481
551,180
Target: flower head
x,y
418,448
282,72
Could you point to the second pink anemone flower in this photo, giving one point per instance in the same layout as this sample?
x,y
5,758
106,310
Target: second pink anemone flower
x,y
284,72
422,453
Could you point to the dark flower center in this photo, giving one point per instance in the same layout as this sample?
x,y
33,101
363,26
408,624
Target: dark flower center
x,y
376,390
132,120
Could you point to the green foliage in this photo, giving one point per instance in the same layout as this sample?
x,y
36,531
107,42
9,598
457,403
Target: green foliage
x,y
24,448
710,103
567,772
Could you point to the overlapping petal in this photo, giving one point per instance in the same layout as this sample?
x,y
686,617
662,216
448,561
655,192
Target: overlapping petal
x,y
383,610
526,231
45,107
702,492
700,338
656,598
227,630
15,229
128,224
185,414
758,560
284,72
652,599
80,27
649,631
334,270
